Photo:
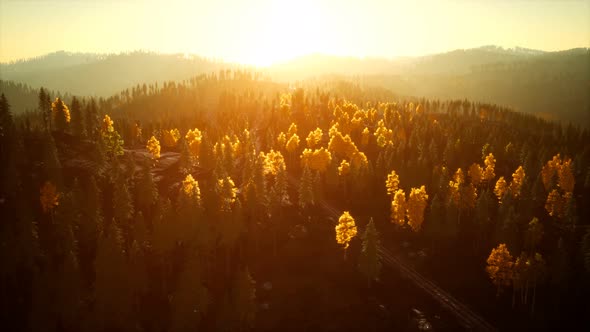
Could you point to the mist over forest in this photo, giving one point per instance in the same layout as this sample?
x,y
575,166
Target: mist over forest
x,y
290,183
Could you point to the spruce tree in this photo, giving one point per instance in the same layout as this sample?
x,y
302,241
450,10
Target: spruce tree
x,y
370,260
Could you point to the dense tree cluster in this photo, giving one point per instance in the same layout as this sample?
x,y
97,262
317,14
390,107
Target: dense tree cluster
x,y
152,218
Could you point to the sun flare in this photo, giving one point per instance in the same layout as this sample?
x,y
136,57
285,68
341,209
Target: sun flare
x,y
285,30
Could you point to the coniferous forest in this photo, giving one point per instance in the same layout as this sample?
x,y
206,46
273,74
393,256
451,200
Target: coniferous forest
x,y
294,166
230,202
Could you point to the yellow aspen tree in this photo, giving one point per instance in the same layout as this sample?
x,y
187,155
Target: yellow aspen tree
x,y
190,188
153,147
416,205
359,160
500,267
517,181
314,138
565,176
61,114
365,134
345,230
317,160
110,137
455,187
469,196
273,162
292,129
344,168
282,140
193,139
500,188
227,191
398,208
392,183
292,143
489,171
49,197
170,137
548,171
555,204
475,173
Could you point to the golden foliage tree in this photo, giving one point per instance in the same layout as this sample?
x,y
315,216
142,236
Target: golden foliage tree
x,y
455,187
153,147
475,173
517,181
292,143
365,135
49,197
499,267
345,230
193,139
344,168
317,160
274,162
227,191
416,205
314,138
489,171
170,137
565,176
61,114
392,183
548,171
190,188
282,140
398,207
110,137
500,188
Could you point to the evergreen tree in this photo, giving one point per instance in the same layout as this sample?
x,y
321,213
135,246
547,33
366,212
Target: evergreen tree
x,y
44,102
189,302
306,198
78,121
244,299
113,288
370,259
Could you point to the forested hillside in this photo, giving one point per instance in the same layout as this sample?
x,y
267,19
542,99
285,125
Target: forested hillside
x,y
201,204
104,75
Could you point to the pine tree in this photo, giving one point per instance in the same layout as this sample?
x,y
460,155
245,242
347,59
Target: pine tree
x,y
78,121
113,288
189,302
306,197
44,102
244,299
370,260
146,192
92,120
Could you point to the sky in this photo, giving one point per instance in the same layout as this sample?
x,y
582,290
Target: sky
x,y
262,32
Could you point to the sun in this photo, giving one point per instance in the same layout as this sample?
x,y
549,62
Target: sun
x,y
286,29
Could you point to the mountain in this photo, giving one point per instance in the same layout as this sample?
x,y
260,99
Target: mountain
x,y
553,85
549,84
104,75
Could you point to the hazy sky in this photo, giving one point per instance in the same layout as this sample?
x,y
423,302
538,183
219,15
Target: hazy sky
x,y
264,31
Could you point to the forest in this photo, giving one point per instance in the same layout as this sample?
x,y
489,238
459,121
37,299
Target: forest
x,y
232,202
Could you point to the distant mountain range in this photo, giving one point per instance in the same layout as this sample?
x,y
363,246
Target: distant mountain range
x,y
554,85
92,74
